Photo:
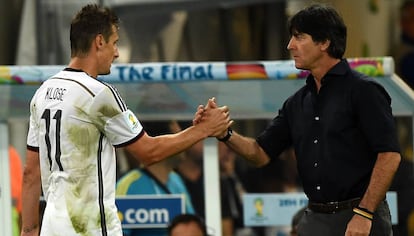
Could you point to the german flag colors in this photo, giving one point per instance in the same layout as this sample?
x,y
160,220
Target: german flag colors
x,y
246,71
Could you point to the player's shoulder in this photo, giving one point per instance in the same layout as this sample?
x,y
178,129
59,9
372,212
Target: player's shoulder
x,y
80,79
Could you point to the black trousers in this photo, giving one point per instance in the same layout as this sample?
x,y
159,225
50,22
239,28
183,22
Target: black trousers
x,y
322,224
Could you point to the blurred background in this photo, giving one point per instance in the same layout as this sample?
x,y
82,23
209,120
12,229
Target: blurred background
x,y
37,33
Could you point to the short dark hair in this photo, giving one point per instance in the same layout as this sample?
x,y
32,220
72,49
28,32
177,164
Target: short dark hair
x,y
323,23
90,21
185,219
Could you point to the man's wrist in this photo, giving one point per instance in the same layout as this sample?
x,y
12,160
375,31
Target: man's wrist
x,y
229,133
29,229
363,212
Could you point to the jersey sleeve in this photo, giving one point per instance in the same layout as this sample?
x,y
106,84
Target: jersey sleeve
x,y
33,133
123,128
113,118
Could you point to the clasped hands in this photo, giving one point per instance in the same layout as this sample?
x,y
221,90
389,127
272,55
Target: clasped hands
x,y
215,119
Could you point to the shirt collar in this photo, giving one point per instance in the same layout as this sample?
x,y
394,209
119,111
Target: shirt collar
x,y
73,70
341,68
77,70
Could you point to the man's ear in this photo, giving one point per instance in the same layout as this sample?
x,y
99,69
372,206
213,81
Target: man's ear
x,y
99,41
325,45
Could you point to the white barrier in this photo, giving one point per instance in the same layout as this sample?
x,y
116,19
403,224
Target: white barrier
x,y
194,71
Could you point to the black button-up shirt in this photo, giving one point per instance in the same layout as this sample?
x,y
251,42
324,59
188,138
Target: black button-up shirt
x,y
336,133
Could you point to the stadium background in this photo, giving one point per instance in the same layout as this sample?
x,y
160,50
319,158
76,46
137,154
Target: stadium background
x,y
36,33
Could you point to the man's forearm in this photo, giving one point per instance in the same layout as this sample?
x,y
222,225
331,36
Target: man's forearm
x,y
248,148
30,211
384,170
31,190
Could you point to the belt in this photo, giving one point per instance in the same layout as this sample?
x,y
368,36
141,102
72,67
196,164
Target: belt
x,y
332,207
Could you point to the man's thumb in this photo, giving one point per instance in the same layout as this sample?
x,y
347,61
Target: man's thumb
x,y
211,103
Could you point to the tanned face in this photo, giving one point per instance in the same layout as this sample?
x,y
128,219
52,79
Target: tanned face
x,y
305,51
108,52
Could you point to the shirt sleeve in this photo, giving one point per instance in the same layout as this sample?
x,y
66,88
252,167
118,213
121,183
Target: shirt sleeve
x,y
111,115
33,134
123,128
374,114
276,137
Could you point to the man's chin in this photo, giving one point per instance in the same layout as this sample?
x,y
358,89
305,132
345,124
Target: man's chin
x,y
299,67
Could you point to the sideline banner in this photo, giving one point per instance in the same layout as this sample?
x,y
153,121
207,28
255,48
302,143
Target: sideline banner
x,y
278,209
149,211
195,71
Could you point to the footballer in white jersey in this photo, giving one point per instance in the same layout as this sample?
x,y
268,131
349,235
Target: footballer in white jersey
x,y
77,156
75,123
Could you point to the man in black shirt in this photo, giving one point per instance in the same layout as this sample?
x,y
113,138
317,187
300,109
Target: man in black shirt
x,y
341,127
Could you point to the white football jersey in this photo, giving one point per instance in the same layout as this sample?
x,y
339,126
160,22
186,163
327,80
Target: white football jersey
x,y
75,123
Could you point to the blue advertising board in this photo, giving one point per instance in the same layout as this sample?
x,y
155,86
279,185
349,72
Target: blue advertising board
x,y
149,211
277,209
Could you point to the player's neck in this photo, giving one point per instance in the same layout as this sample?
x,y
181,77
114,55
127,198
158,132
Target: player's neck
x,y
84,64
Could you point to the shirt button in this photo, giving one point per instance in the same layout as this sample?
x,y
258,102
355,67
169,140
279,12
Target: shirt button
x,y
316,117
318,187
315,141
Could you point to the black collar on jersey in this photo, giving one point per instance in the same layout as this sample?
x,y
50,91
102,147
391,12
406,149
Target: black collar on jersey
x,y
76,70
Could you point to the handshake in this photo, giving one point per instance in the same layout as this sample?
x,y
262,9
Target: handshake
x,y
214,120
